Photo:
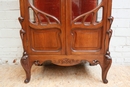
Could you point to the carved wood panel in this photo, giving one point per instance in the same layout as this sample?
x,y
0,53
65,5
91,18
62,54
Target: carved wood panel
x,y
86,39
86,26
45,31
45,40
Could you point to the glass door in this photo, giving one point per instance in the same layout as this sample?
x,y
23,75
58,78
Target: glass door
x,y
85,26
46,26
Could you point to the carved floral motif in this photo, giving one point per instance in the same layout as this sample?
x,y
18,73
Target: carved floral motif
x,y
67,61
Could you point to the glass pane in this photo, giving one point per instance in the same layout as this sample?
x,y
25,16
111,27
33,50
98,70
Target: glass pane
x,y
82,6
49,7
100,14
31,17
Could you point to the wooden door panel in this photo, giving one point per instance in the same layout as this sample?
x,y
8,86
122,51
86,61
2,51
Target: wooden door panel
x,y
46,27
86,27
86,39
46,40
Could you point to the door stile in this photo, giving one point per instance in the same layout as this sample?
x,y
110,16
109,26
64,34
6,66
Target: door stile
x,y
108,26
27,31
63,25
68,27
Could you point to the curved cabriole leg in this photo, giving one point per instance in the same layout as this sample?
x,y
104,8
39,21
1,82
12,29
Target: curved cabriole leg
x,y
26,66
105,67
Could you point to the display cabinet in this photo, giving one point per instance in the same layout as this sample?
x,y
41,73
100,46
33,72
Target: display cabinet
x,y
66,33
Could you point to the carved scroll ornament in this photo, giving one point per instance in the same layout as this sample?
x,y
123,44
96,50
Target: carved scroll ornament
x,y
109,32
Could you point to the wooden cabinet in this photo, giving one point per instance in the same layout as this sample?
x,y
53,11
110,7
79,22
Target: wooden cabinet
x,y
66,33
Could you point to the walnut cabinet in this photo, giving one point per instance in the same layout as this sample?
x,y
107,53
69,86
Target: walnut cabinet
x,y
66,33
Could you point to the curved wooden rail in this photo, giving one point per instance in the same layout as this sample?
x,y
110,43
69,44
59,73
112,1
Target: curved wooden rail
x,y
84,16
46,15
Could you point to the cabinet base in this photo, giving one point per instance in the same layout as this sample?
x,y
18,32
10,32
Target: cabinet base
x,y
65,60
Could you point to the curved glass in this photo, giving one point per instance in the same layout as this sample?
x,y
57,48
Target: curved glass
x,y
80,7
50,7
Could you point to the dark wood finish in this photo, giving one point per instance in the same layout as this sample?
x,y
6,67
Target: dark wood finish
x,y
66,33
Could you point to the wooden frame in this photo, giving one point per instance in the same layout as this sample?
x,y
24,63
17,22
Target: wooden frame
x,y
66,42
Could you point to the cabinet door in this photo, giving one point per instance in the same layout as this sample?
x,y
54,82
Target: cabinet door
x,y
46,26
86,26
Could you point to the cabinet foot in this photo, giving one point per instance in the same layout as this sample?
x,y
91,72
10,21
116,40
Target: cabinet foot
x,y
105,67
105,81
26,66
26,80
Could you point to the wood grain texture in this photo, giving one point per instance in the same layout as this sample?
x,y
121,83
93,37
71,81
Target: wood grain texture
x,y
65,33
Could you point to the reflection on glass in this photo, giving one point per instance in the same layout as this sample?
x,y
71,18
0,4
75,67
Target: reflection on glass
x,y
100,14
82,6
51,7
31,16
